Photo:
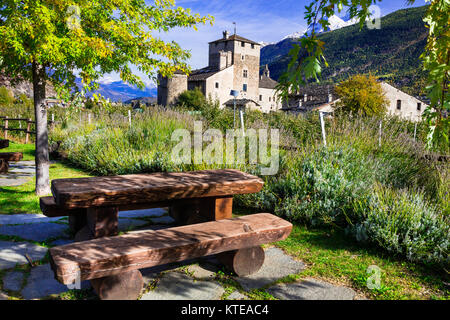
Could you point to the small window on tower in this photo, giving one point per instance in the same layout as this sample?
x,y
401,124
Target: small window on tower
x,y
242,57
399,104
260,97
419,106
253,46
270,99
242,44
244,87
245,74
217,85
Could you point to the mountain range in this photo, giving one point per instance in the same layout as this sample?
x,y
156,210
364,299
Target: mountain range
x,y
392,52
121,91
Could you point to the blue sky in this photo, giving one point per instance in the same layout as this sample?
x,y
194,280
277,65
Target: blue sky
x,y
258,20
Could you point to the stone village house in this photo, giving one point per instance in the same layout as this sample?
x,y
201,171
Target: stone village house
x,y
323,98
234,64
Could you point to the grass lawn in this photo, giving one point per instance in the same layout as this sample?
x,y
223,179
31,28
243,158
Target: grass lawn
x,y
329,254
22,199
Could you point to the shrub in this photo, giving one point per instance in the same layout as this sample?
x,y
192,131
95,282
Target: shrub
x,y
403,223
192,99
6,97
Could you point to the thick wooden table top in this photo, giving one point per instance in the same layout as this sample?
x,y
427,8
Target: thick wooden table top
x,y
155,187
4,144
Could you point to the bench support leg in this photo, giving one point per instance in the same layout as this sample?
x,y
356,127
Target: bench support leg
x,y
199,210
243,262
77,222
123,286
4,166
103,221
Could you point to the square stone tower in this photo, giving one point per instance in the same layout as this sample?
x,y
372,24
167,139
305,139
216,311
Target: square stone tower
x,y
244,55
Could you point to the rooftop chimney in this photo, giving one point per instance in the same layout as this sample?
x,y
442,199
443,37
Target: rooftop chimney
x,y
225,34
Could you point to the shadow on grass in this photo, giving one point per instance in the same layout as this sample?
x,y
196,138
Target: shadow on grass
x,y
18,201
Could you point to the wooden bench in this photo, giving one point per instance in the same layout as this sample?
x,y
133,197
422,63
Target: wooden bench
x,y
195,199
6,157
4,143
111,262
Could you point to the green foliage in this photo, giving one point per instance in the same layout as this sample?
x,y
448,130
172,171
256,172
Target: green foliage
x,y
192,100
6,97
362,95
93,37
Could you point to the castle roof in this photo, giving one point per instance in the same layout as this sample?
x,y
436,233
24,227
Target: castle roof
x,y
235,37
267,83
202,74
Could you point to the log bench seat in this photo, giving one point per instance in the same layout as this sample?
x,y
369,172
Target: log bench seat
x,y
111,263
7,157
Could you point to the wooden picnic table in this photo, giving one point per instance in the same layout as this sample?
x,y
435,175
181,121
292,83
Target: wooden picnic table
x,y
192,197
200,201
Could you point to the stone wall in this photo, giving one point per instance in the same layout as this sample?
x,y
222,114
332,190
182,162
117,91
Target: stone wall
x,y
246,58
224,79
267,100
170,88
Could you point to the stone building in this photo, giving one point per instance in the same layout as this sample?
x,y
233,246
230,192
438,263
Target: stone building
x,y
233,65
402,104
323,98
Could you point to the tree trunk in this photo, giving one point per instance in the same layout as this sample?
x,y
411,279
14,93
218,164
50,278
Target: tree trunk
x,y
42,158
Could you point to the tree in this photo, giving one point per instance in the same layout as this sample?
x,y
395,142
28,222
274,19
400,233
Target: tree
x,y
192,99
307,64
362,95
53,40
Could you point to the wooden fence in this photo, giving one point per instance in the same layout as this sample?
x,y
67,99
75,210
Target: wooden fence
x,y
27,130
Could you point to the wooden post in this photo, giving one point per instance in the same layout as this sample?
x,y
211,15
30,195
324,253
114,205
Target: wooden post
x,y
129,117
27,137
6,128
415,130
322,124
380,131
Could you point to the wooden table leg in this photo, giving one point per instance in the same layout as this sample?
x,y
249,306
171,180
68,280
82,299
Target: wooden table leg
x,y
77,222
191,211
4,166
103,221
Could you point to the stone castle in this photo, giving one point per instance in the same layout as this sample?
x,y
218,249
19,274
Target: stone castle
x,y
234,64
